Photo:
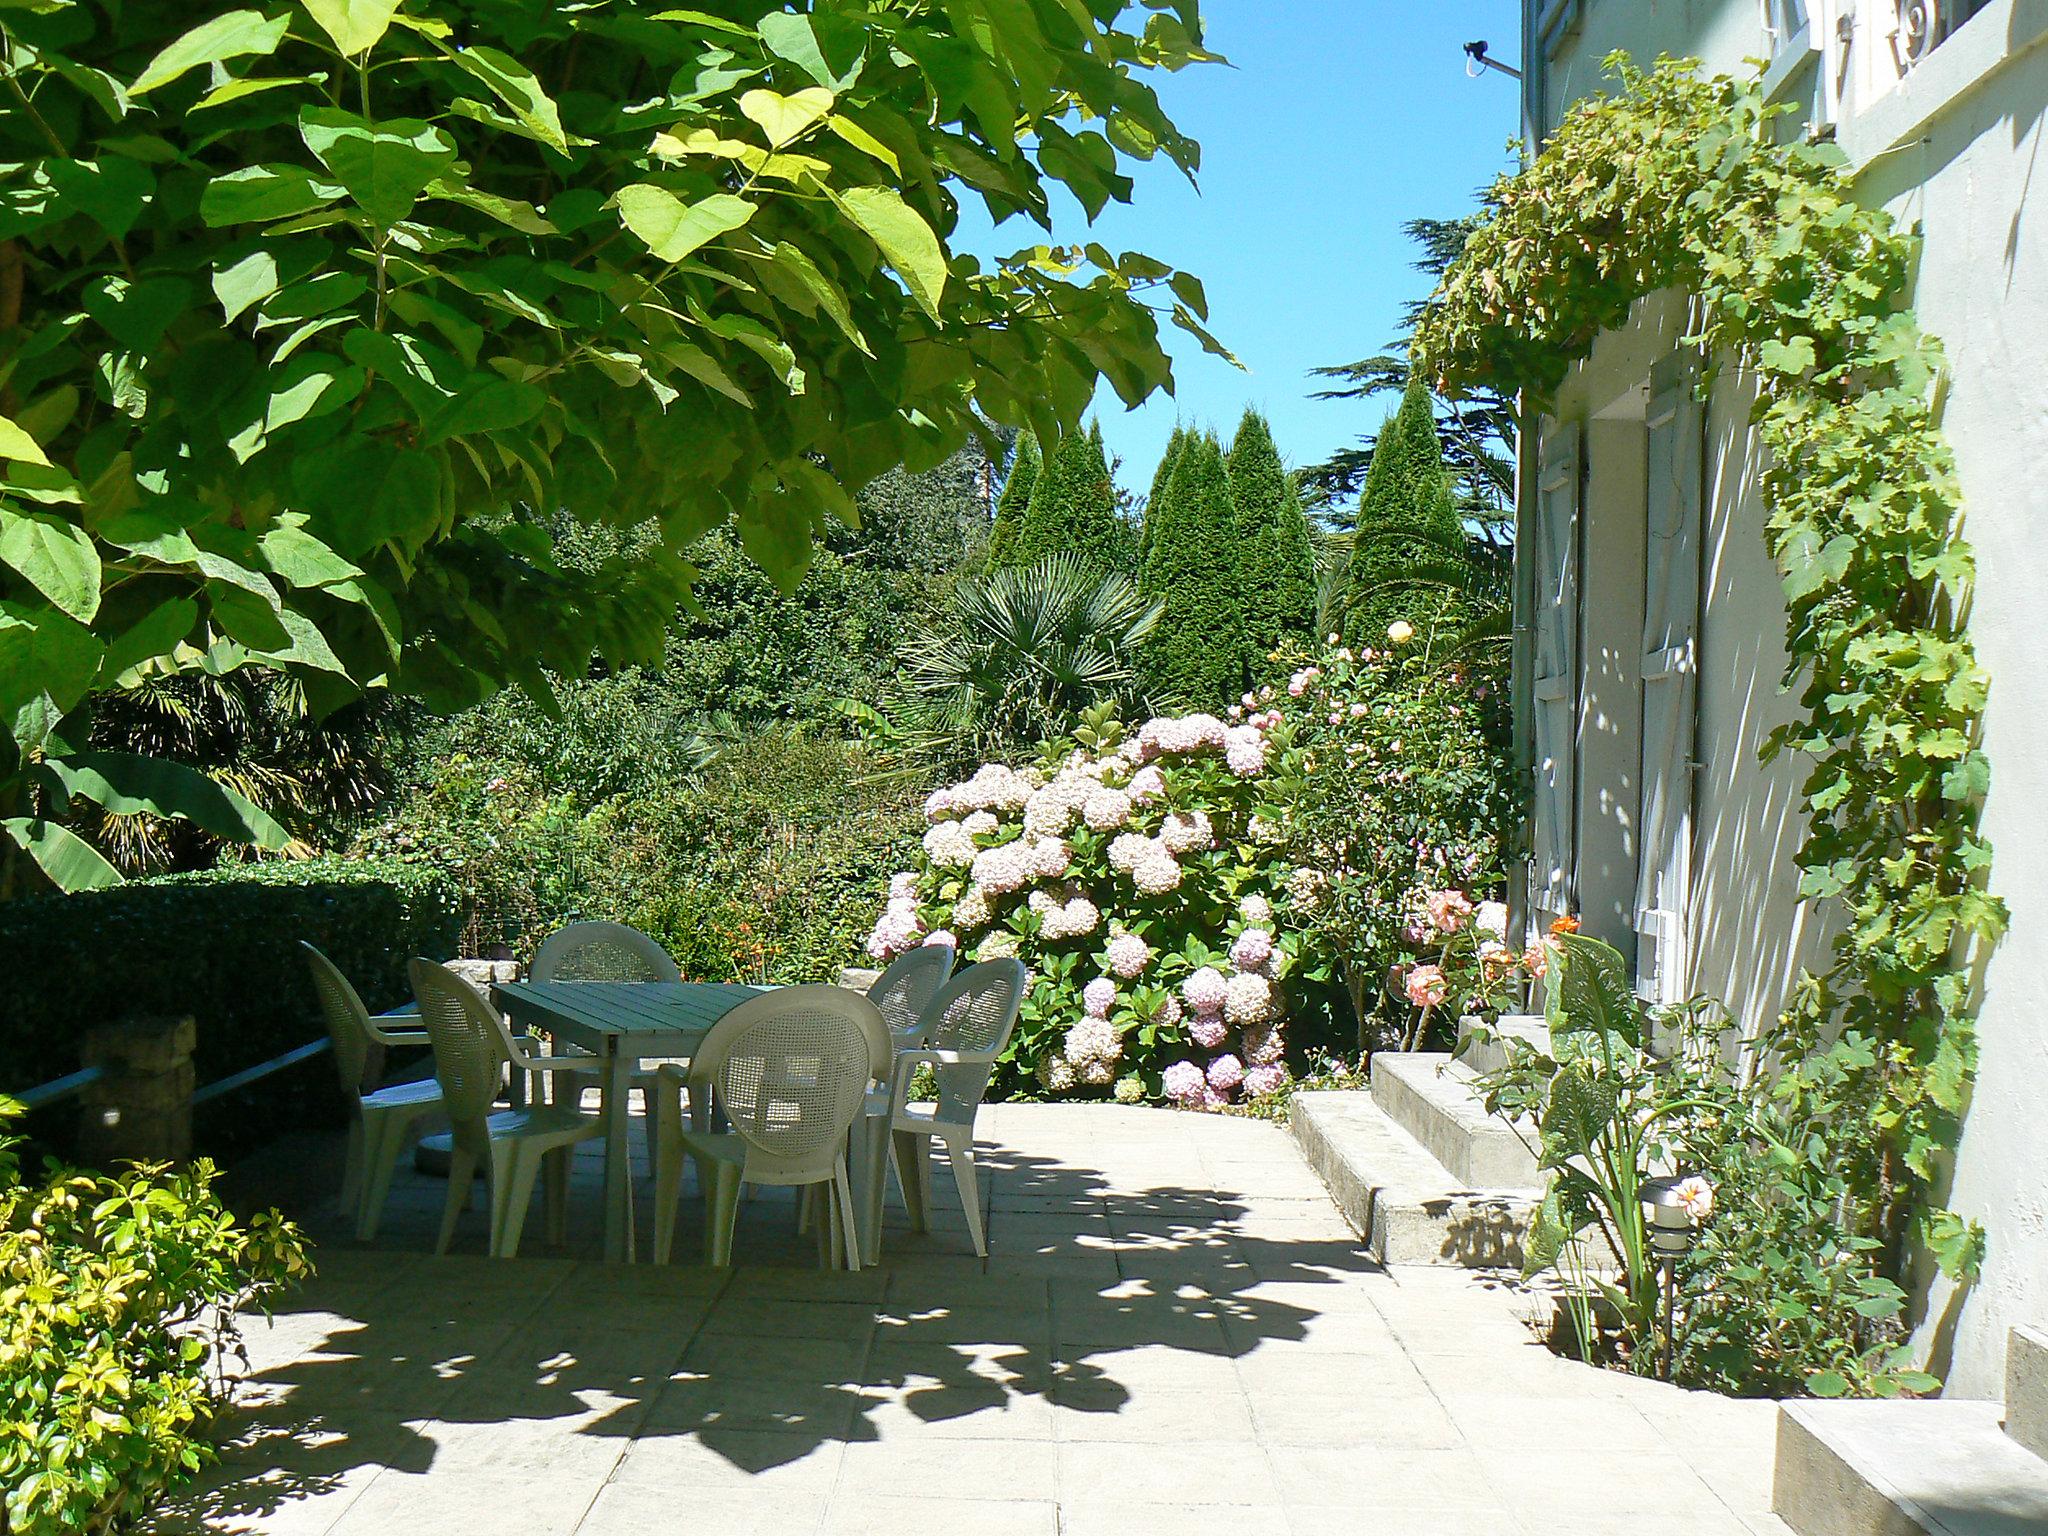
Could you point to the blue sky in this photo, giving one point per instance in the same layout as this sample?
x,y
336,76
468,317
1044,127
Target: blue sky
x,y
1338,120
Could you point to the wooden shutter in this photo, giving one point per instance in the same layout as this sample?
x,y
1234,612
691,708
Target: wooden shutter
x,y
1554,679
1670,672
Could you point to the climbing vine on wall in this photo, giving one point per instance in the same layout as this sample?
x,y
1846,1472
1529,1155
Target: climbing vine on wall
x,y
1680,180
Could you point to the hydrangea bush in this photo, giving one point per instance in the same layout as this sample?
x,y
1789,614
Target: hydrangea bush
x,y
1140,877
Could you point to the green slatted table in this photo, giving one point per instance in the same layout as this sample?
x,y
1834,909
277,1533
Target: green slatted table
x,y
622,1023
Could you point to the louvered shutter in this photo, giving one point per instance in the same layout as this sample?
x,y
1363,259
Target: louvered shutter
x,y
1554,679
1670,671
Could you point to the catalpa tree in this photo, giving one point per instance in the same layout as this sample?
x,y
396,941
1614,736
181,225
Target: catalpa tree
x,y
317,317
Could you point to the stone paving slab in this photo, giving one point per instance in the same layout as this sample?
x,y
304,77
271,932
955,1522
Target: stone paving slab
x,y
1176,1332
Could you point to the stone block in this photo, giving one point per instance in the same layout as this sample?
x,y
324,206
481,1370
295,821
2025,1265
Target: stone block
x,y
2026,1388
1941,1467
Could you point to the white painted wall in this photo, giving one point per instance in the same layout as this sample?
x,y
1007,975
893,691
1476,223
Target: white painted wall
x,y
1958,146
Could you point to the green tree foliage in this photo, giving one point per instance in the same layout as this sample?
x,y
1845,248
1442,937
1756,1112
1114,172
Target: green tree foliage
x,y
1197,654
1155,503
1477,428
1406,513
1025,469
317,316
1073,510
1277,565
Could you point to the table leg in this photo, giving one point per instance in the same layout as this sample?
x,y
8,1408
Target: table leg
x,y
618,1160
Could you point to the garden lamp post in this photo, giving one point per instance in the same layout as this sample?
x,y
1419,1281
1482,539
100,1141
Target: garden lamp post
x,y
1674,1205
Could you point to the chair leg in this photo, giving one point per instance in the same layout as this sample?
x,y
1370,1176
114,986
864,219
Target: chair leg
x,y
872,1133
806,1208
511,1206
461,1170
721,1210
968,1180
669,1153
913,1177
851,1240
383,1138
825,1224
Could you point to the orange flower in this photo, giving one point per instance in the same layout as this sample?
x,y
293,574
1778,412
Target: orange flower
x,y
1565,925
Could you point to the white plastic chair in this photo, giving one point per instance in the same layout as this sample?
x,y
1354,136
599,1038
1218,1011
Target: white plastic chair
x,y
601,952
383,1117
472,1051
903,993
788,1070
967,1028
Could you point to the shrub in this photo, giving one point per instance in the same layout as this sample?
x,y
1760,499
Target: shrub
x,y
1197,654
1406,517
1396,780
1138,880
1277,564
118,1303
1011,506
1072,511
1155,503
221,945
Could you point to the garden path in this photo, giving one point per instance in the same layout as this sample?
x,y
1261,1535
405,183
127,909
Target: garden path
x,y
1174,1333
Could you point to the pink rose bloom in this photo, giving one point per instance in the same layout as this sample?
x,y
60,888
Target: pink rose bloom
x,y
1208,1030
1295,687
1098,997
1183,1082
1448,909
1427,987
1205,991
1251,949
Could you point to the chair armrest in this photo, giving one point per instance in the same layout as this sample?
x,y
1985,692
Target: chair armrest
x,y
589,1064
404,1037
925,1055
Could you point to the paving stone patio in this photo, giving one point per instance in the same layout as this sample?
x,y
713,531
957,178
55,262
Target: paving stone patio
x,y
1174,1332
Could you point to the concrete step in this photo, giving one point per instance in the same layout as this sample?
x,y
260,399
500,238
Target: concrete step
x,y
1432,1098
2026,1388
1941,1467
1406,1205
1490,1055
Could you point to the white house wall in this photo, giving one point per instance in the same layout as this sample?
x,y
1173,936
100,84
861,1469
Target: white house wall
x,y
1957,148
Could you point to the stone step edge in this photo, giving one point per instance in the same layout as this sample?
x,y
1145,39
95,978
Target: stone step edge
x,y
1405,1206
1849,1468
2026,1388
1482,1058
1434,1099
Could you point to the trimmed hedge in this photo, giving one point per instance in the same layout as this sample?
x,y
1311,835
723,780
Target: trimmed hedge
x,y
221,945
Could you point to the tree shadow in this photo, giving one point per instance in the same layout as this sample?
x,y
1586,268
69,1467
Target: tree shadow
x,y
1101,1295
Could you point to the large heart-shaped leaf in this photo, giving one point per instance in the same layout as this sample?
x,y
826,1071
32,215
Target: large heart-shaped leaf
x,y
384,165
786,118
671,228
55,556
907,242
353,24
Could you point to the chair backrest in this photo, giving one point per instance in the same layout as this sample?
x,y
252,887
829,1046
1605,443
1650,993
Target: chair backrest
x,y
789,1068
348,1021
471,1044
905,990
975,1014
603,952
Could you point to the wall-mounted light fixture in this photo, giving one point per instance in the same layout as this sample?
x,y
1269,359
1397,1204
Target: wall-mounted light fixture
x,y
1478,62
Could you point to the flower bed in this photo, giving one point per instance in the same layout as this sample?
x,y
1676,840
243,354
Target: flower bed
x,y
1139,880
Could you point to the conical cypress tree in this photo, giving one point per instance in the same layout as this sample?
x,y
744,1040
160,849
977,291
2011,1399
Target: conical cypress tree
x,y
1155,503
1406,517
1196,654
1278,581
1073,508
1025,467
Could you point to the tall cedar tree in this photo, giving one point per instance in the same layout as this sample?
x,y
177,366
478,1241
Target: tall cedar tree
x,y
1025,469
1277,566
1155,503
1196,654
1407,518
1073,508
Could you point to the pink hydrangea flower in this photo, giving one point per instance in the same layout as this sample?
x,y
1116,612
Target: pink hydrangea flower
x,y
1245,752
1170,1012
942,936
1187,832
1248,998
1106,809
1265,1079
1214,1097
1225,1073
1264,1044
1205,991
1147,784
1098,997
1128,955
1156,874
1208,1030
902,886
1183,1082
1252,949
